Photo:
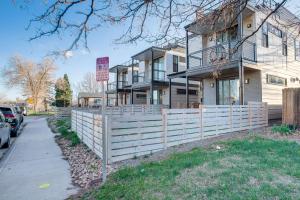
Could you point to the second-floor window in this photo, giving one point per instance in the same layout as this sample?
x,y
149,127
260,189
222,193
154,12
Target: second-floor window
x,y
297,49
175,63
284,44
265,36
228,35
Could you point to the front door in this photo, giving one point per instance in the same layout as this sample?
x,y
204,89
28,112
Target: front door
x,y
228,92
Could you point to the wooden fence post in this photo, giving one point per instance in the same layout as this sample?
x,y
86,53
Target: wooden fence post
x,y
104,146
201,120
216,113
230,117
266,113
76,123
93,131
165,126
240,118
250,116
81,126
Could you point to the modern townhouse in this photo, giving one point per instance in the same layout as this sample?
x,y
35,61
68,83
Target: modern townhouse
x,y
145,80
231,72
119,90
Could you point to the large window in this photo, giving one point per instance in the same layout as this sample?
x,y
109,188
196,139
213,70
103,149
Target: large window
x,y
175,63
284,44
228,92
228,35
276,80
159,69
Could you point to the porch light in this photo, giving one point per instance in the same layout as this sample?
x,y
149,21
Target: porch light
x,y
212,85
249,25
247,81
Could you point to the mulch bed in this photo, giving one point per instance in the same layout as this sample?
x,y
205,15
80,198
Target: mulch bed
x,y
85,165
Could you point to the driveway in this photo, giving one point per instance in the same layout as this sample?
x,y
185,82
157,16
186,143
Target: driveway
x,y
34,168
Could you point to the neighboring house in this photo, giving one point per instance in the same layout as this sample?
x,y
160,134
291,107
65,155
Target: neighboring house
x,y
262,66
88,99
145,81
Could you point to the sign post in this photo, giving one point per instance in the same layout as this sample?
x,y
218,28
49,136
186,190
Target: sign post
x,y
102,76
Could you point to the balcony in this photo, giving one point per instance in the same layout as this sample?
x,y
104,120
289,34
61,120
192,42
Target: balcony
x,y
112,87
122,84
142,79
221,56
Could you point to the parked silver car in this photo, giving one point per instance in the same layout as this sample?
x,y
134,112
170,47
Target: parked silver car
x,y
4,132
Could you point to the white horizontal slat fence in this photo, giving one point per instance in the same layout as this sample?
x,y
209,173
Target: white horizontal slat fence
x,y
118,137
88,127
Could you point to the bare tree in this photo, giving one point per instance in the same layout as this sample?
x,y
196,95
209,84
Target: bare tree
x,y
150,20
88,84
35,79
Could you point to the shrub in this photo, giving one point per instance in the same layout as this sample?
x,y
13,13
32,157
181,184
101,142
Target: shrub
x,y
64,130
283,129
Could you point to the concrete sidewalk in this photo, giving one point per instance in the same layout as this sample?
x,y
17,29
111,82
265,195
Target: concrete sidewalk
x,y
34,168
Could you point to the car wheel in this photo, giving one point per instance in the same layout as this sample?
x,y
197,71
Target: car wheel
x,y
14,133
7,144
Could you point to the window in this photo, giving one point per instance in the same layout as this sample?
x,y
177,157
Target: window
x,y
159,71
232,33
284,44
297,49
284,49
227,35
183,92
276,31
276,80
265,36
135,76
175,63
221,37
181,59
141,96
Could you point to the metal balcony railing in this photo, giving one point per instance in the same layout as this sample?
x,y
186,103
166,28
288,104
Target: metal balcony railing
x,y
112,86
122,84
221,54
143,77
159,75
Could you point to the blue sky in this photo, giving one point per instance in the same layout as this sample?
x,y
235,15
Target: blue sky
x,y
14,41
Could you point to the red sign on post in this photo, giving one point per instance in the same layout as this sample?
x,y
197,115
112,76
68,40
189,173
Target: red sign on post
x,y
102,69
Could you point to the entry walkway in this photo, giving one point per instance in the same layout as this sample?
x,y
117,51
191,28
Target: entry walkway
x,y
34,168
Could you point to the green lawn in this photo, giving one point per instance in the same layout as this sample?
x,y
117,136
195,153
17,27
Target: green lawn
x,y
252,168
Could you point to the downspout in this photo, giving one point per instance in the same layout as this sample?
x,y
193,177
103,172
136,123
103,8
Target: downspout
x,y
152,72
